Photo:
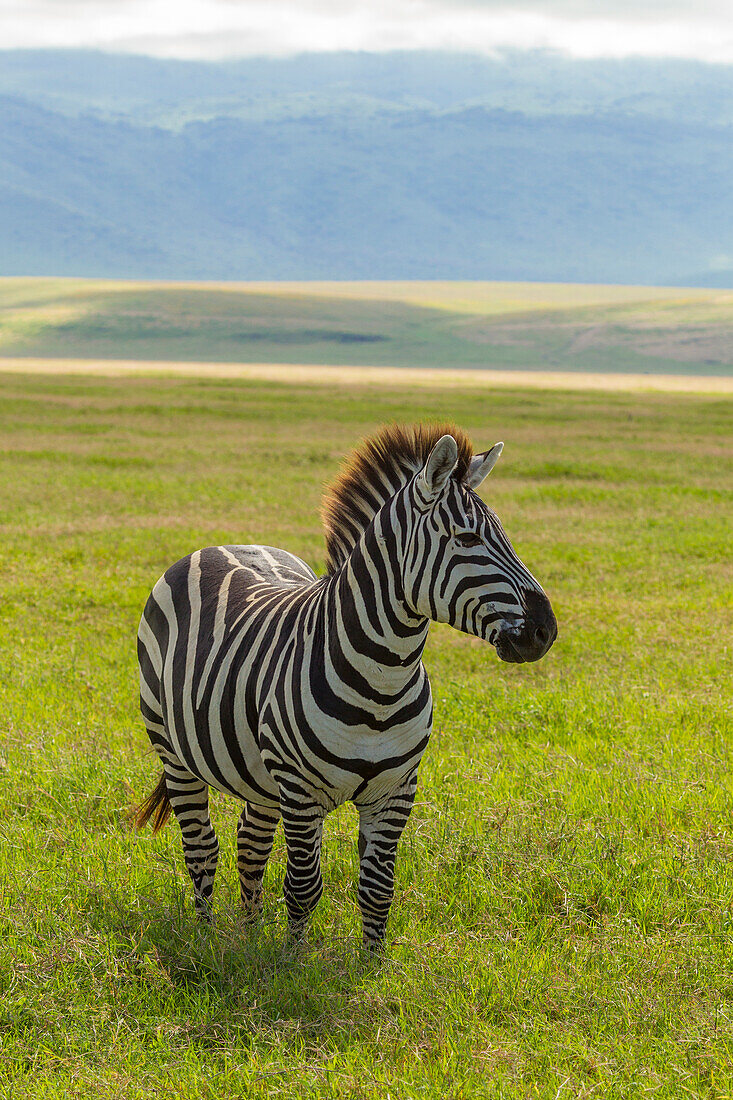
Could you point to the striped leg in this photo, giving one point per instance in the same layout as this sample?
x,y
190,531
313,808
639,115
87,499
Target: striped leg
x,y
255,834
380,828
303,882
189,799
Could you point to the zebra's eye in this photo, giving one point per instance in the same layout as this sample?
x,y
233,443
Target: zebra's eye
x,y
468,538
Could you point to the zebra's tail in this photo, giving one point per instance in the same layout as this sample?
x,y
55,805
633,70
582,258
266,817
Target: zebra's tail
x,y
156,806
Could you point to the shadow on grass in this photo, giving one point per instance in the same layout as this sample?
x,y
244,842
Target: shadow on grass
x,y
230,980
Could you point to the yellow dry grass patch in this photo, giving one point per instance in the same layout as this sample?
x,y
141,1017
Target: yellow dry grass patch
x,y
302,373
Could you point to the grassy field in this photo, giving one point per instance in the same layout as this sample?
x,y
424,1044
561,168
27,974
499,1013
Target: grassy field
x,y
507,326
563,922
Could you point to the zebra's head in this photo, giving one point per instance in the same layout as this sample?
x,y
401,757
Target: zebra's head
x,y
460,567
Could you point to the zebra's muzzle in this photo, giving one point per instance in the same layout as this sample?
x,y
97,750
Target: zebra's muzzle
x,y
534,637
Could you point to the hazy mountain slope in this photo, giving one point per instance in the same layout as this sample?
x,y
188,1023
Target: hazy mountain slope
x,y
351,191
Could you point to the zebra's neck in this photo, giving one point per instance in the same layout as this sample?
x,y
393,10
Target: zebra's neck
x,y
379,636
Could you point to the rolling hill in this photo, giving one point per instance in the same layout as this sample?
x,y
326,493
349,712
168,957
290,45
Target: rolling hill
x,y
536,327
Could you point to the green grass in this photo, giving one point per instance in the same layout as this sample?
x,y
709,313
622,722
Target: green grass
x,y
563,921
497,325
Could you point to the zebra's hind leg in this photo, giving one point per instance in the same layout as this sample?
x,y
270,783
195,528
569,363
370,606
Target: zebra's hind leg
x,y
255,834
189,798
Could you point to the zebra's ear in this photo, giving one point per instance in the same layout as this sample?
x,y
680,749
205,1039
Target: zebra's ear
x,y
481,466
441,463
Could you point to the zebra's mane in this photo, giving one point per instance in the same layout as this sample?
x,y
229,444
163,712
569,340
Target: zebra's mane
x,y
373,473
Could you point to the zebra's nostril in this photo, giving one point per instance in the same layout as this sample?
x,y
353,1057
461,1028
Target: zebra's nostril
x,y
542,635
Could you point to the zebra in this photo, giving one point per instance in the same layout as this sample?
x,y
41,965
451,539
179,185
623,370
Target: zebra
x,y
296,693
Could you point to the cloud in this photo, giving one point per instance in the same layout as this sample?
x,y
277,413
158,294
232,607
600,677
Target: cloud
x,y
221,28
600,9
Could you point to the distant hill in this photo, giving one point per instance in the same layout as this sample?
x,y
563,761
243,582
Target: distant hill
x,y
343,166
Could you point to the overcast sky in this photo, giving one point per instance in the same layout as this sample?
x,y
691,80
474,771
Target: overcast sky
x,y
226,28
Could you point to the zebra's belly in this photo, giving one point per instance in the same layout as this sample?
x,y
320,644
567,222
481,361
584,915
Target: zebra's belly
x,y
336,763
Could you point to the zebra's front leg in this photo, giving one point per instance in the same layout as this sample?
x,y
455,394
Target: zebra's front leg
x,y
380,828
303,882
255,834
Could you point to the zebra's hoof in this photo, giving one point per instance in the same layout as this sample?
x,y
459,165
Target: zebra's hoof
x,y
374,948
205,914
251,914
296,934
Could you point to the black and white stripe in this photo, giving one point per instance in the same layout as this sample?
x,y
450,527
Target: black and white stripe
x,y
296,694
